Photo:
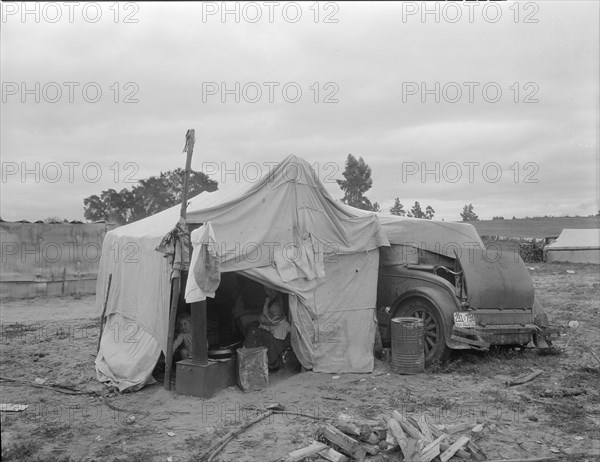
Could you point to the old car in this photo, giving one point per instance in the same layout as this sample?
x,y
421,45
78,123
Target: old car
x,y
468,296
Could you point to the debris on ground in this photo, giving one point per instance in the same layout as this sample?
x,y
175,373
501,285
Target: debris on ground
x,y
10,407
388,436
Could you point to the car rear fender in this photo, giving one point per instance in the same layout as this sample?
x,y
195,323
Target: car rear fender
x,y
442,300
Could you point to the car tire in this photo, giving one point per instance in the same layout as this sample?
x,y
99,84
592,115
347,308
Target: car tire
x,y
434,342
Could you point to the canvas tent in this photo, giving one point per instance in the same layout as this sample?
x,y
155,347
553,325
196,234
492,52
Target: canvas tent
x,y
284,231
575,246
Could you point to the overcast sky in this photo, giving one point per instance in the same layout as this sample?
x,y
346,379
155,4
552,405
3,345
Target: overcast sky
x,y
484,104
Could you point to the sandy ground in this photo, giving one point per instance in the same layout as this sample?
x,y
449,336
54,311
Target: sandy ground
x,y
56,341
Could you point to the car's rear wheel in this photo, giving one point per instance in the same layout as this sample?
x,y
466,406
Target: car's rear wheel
x,y
434,339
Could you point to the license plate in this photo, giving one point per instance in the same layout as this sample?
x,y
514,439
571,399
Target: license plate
x,y
464,320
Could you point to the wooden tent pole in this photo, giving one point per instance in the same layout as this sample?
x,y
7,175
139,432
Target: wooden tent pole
x,y
190,138
175,290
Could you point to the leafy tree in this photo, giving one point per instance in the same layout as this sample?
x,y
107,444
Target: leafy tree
x,y
468,214
357,181
150,196
398,208
416,211
429,212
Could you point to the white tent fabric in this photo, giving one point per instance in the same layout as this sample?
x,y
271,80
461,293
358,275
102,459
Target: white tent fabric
x,y
284,231
575,246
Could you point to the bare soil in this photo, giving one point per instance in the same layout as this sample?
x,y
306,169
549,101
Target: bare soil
x,y
557,414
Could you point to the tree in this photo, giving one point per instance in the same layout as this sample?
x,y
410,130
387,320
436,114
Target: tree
x,y
416,211
429,212
398,208
357,181
468,214
150,196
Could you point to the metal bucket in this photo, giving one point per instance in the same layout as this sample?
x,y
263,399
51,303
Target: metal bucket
x,y
408,354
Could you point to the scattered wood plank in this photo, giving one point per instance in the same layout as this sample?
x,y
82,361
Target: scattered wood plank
x,y
332,455
523,379
300,454
348,428
371,449
425,430
346,444
432,450
458,444
457,428
399,434
460,453
408,428
413,453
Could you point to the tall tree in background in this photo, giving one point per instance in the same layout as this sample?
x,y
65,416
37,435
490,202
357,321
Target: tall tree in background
x,y
357,181
150,196
416,211
468,214
429,212
398,208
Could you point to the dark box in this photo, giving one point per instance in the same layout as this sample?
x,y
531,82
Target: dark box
x,y
204,381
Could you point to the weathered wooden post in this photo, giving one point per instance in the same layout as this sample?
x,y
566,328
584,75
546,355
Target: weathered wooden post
x,y
190,139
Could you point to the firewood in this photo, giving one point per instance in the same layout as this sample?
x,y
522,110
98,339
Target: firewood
x,y
391,442
371,438
371,449
412,432
347,427
413,451
398,433
458,444
346,444
300,454
332,455
432,450
457,428
476,451
460,453
424,427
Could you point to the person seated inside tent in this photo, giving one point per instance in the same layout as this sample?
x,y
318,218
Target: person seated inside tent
x,y
184,338
273,331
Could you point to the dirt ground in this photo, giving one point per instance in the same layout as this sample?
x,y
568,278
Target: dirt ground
x,y
557,414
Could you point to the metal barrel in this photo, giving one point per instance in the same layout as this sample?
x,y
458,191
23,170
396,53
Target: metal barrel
x,y
408,354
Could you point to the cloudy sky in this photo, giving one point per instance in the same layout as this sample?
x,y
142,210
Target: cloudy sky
x,y
495,105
